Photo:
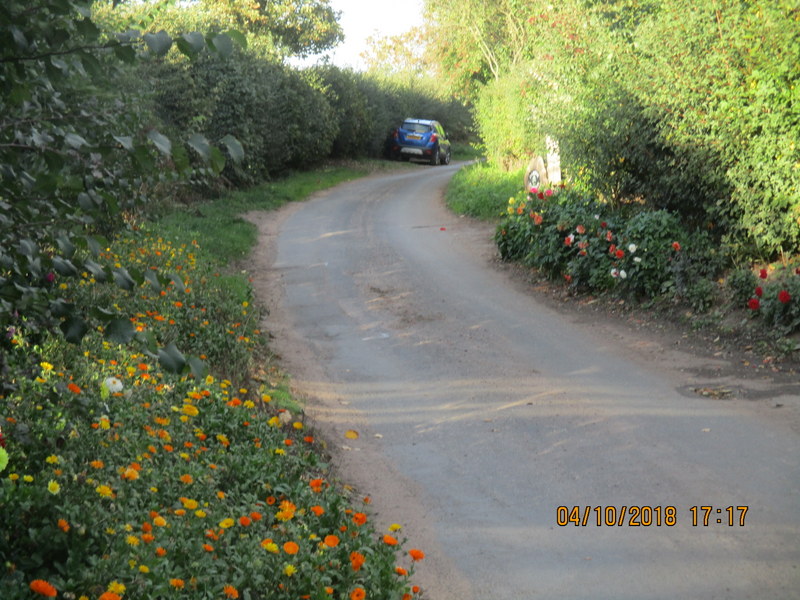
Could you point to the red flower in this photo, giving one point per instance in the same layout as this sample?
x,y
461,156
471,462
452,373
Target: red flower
x,y
763,274
676,246
784,297
753,304
619,253
759,291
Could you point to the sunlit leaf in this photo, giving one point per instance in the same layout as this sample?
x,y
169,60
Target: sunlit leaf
x,y
351,434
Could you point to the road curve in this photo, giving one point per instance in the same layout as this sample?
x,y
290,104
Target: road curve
x,y
494,411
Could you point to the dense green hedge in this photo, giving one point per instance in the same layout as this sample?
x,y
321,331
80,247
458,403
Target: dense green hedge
x,y
686,106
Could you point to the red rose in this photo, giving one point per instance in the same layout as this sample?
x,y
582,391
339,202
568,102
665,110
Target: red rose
x,y
759,291
784,297
763,274
753,304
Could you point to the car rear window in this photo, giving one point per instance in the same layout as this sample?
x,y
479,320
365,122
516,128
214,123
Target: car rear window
x,y
416,127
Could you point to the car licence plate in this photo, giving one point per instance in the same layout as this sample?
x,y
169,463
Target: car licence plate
x,y
412,136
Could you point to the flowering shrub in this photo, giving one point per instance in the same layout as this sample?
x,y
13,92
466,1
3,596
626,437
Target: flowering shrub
x,y
120,479
776,298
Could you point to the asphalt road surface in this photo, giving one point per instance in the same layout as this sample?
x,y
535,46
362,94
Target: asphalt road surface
x,y
494,411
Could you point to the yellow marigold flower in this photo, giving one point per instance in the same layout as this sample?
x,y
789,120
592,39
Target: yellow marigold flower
x,y
144,569
190,409
289,570
132,540
189,503
280,451
395,527
13,476
46,366
226,523
115,587
53,487
27,478
297,425
200,514
274,422
104,491
160,521
51,460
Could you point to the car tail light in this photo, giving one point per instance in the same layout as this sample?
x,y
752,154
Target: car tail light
x,y
433,138
396,134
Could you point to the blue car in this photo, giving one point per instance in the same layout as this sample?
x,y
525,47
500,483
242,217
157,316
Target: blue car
x,y
423,139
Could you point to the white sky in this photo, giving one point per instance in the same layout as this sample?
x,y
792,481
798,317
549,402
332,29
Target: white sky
x,y
361,19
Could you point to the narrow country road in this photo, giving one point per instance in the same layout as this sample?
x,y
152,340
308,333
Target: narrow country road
x,y
481,412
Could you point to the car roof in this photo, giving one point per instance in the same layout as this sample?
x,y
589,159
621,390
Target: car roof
x,y
421,121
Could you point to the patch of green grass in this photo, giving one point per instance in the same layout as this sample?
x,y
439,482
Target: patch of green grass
x,y
482,190
219,222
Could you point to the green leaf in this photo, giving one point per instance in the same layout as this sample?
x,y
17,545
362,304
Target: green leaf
x,y
222,44
160,141
120,331
123,279
171,359
191,43
61,308
152,278
158,43
217,160
64,267
97,271
237,36
198,367
179,286
125,141
125,54
74,329
200,144
74,140
235,149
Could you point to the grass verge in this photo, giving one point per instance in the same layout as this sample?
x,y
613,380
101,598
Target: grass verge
x,y
121,479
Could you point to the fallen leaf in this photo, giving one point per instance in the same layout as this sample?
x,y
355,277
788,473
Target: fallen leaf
x,y
351,434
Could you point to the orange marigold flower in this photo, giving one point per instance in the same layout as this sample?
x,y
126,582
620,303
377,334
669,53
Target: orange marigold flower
x,y
43,588
291,548
316,485
230,591
318,510
416,554
389,540
148,538
186,478
357,560
256,516
109,596
400,571
331,541
177,583
63,525
208,547
245,521
358,594
359,518
97,464
160,522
